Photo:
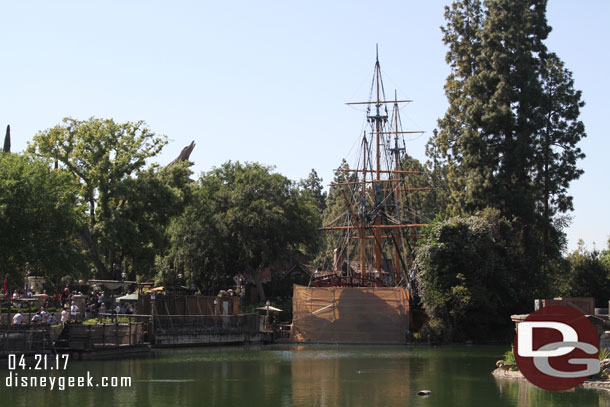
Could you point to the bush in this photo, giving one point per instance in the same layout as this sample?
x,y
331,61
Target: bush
x,y
473,275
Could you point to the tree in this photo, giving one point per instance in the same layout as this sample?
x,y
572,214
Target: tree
x,y
139,224
313,185
7,139
459,128
105,158
421,206
509,135
243,218
472,277
589,275
335,213
38,220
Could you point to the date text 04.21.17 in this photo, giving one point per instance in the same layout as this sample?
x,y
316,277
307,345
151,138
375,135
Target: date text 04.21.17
x,y
38,362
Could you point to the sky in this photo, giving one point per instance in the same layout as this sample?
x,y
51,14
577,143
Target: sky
x,y
267,81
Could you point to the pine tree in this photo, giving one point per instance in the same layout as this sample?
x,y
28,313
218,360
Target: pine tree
x,y
509,137
7,139
313,184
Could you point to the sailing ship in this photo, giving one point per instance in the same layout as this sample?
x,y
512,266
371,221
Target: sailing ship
x,y
378,227
366,295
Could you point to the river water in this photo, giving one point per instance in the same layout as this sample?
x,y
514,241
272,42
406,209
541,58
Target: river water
x,y
298,375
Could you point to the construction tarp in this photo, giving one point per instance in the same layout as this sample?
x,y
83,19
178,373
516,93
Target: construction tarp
x,y
350,314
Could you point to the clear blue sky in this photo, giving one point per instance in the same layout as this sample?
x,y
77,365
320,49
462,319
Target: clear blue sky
x,y
267,81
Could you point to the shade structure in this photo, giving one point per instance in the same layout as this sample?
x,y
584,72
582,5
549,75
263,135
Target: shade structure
x,y
128,297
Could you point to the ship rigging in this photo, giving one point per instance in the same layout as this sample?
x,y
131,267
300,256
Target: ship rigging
x,y
379,224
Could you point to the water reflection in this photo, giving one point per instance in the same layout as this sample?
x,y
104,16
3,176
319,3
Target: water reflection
x,y
524,394
312,375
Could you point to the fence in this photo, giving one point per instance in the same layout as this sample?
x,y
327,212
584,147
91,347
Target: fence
x,y
26,339
206,324
171,304
104,336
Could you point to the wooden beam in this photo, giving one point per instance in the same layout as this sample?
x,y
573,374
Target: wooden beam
x,y
406,226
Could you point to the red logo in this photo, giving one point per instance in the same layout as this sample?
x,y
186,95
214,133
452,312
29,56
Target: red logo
x,y
556,348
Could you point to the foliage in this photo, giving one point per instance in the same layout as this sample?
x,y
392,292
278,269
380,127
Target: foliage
x,y
509,357
508,139
472,277
243,218
336,211
7,140
127,205
509,135
604,353
588,275
313,185
38,219
313,188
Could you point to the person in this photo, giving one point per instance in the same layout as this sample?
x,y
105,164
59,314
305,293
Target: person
x,y
36,319
103,308
52,319
43,315
15,295
18,318
74,309
65,316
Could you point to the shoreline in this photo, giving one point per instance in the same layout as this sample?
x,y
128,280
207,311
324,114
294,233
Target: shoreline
x,y
517,375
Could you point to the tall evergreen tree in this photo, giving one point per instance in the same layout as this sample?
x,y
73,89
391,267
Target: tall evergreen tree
x,y
7,139
313,184
509,136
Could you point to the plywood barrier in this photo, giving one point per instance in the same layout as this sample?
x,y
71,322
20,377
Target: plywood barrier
x,y
350,314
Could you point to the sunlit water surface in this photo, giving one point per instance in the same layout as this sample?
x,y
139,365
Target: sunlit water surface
x,y
301,375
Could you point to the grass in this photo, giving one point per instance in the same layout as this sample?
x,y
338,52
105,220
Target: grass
x,y
604,353
106,320
509,358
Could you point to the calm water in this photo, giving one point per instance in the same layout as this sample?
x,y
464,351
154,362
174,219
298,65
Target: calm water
x,y
313,375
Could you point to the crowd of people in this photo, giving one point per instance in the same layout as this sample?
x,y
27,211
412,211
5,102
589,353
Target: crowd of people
x,y
95,306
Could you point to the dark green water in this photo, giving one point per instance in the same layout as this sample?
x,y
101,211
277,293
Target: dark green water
x,y
313,375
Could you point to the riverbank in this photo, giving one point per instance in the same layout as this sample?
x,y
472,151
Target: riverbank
x,y
503,373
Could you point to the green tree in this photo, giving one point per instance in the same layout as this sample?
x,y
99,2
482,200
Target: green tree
x,y
106,159
472,277
38,220
510,132
509,137
336,213
7,139
589,276
243,218
313,185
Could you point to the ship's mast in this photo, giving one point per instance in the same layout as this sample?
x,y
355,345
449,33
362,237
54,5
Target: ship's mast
x,y
378,197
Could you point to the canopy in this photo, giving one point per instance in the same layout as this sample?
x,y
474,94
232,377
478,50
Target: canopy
x,y
128,297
